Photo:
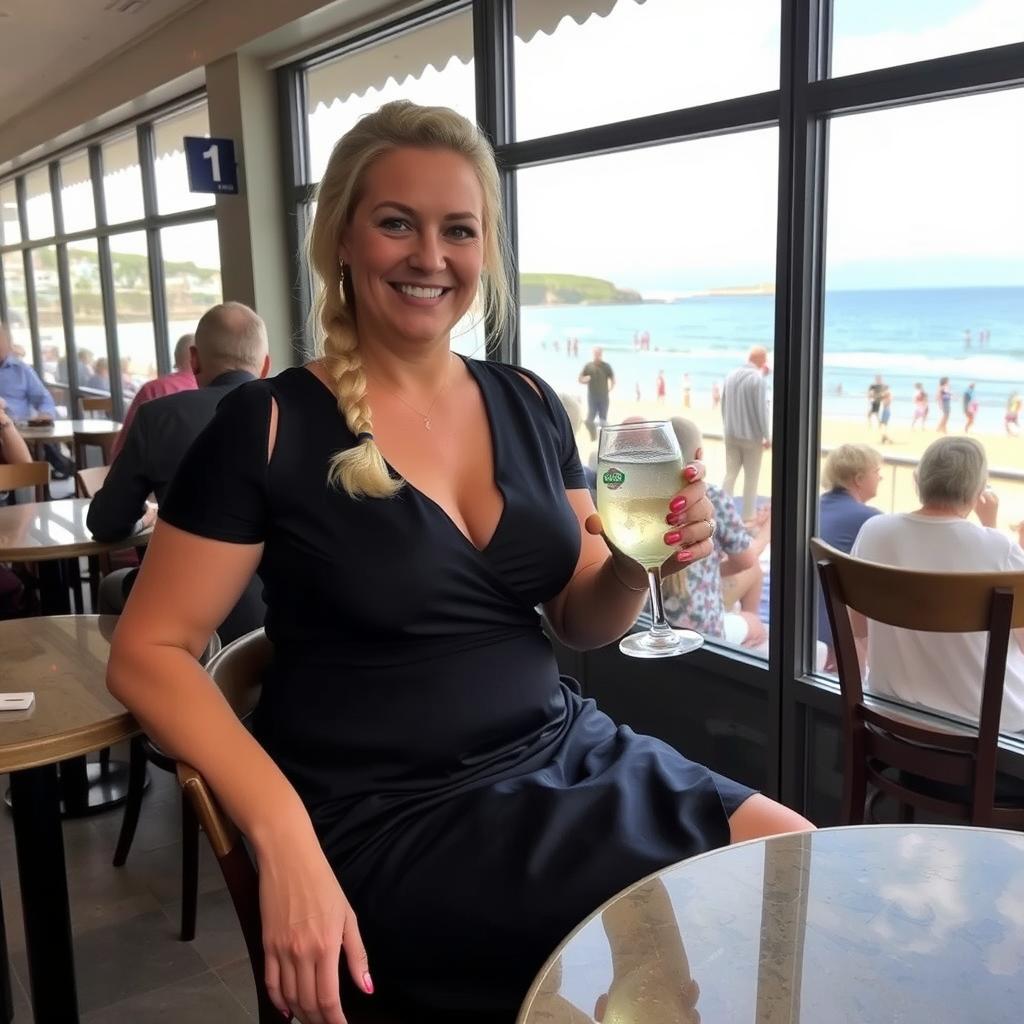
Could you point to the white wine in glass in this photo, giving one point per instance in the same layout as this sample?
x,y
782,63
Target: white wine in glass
x,y
638,472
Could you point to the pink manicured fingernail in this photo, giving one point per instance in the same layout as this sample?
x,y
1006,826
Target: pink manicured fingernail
x,y
368,984
690,472
684,556
677,504
674,518
673,538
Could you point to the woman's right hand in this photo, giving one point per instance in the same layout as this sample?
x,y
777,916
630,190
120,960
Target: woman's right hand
x,y
307,922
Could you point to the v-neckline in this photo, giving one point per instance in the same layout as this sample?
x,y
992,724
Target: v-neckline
x,y
423,494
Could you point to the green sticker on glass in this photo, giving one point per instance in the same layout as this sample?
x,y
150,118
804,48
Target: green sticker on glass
x,y
613,479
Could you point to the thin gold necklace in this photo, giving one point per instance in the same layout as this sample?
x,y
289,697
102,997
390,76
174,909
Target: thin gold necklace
x,y
425,416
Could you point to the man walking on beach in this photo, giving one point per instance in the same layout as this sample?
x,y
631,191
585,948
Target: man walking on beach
x,y
600,380
745,422
875,392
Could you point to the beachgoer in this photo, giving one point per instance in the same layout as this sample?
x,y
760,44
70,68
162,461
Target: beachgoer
x,y
972,412
447,809
687,391
920,406
705,598
968,395
659,386
885,415
1011,421
967,339
875,398
943,671
944,396
600,379
851,476
746,428
636,386
716,395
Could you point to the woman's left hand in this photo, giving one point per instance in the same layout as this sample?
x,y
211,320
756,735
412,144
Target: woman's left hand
x,y
688,527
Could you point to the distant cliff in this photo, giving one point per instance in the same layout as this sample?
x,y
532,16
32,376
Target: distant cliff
x,y
552,289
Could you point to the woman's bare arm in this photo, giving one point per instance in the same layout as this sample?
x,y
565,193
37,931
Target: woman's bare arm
x,y
186,587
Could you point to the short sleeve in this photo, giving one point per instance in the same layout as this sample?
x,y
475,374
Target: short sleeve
x,y
1015,558
730,533
220,489
573,476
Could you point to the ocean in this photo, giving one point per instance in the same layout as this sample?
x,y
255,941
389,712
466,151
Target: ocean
x,y
907,335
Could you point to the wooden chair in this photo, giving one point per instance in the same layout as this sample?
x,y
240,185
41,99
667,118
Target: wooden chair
x,y
97,405
26,474
944,772
144,752
88,481
84,439
238,672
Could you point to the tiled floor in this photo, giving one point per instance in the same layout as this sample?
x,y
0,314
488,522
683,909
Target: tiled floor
x,y
131,967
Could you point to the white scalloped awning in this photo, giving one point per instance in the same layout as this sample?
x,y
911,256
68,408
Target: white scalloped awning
x,y
406,56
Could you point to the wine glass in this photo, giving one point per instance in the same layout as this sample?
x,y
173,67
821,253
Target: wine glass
x,y
638,472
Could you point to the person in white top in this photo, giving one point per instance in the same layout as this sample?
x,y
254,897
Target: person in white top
x,y
943,671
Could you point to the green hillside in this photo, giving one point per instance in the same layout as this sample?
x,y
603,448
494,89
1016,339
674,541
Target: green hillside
x,y
548,289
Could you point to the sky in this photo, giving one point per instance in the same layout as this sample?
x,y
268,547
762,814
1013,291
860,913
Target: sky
x,y
927,195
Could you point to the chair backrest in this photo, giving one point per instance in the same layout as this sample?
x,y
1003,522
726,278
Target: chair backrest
x,y
991,602
26,474
90,480
238,672
104,405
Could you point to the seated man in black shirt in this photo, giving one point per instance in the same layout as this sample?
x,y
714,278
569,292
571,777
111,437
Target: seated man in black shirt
x,y
230,348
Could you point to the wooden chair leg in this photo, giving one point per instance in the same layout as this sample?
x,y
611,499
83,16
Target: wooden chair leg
x,y
105,760
133,804
189,869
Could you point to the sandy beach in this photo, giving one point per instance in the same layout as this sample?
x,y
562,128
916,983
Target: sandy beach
x,y
897,492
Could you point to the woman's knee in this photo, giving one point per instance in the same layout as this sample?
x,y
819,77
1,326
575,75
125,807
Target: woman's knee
x,y
759,816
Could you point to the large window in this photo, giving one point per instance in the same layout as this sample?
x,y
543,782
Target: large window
x,y
576,67
432,65
924,303
91,298
191,275
868,34
674,295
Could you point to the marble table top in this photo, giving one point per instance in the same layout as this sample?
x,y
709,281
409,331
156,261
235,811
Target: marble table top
x,y
893,923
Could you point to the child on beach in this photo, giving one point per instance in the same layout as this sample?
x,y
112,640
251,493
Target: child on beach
x,y
659,386
920,406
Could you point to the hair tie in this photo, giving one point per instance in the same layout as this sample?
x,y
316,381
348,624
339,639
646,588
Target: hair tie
x,y
364,436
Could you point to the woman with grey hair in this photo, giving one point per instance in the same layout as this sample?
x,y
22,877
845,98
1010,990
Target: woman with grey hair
x,y
943,671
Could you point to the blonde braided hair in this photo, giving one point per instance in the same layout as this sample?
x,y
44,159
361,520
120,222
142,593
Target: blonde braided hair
x,y
361,470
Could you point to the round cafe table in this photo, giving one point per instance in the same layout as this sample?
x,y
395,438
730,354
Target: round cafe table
x,y
870,923
48,533
63,431
62,659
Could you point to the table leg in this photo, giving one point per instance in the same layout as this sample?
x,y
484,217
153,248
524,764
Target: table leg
x,y
35,806
53,589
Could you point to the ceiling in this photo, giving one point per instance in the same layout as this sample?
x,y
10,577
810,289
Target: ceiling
x,y
45,44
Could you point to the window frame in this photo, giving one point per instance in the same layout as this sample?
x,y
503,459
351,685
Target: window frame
x,y
150,223
800,109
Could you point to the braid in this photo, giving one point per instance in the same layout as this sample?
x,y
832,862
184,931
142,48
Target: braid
x,y
361,470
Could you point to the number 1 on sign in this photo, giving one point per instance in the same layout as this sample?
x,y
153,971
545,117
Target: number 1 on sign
x,y
213,155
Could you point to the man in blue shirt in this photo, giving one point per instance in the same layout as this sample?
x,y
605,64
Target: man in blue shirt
x,y
20,386
853,472
26,397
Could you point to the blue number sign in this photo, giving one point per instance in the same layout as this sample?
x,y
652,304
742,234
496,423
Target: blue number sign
x,y
211,165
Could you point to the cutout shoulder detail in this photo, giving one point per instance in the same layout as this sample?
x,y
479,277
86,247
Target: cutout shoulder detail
x,y
272,432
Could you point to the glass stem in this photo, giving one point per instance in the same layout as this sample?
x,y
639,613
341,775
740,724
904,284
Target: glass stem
x,y
659,624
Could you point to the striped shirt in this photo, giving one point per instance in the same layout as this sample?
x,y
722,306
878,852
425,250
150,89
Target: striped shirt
x,y
745,405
